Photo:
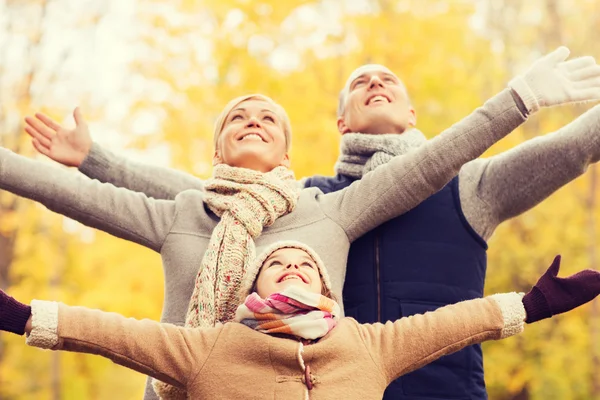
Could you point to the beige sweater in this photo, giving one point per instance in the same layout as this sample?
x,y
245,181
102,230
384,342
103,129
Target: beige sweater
x,y
232,361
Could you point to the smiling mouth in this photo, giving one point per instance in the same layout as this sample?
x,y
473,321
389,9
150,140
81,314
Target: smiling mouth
x,y
290,277
377,100
252,137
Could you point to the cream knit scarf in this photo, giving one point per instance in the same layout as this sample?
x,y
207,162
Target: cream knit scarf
x,y
246,201
361,153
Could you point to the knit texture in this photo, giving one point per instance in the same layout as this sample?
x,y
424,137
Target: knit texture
x,y
552,295
44,322
513,313
552,81
294,311
246,201
361,153
13,314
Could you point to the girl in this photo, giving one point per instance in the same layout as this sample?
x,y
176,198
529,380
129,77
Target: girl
x,y
288,340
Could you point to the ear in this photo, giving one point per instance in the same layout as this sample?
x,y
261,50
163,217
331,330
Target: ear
x,y
412,118
342,127
217,158
285,162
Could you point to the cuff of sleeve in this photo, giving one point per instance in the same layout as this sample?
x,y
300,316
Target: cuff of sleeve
x,y
513,313
523,90
44,322
94,162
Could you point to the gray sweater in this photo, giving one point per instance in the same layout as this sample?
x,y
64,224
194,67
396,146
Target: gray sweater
x,y
492,190
180,229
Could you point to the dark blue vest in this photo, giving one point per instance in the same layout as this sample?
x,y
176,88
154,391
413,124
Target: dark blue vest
x,y
424,259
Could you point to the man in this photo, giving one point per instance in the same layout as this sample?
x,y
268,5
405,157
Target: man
x,y
431,256
436,253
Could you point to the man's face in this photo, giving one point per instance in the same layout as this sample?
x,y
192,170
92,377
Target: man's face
x,y
252,137
376,103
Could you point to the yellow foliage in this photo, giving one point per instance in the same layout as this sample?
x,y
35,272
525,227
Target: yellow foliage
x,y
452,55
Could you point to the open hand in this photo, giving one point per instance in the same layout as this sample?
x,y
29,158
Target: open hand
x,y
552,81
66,146
552,295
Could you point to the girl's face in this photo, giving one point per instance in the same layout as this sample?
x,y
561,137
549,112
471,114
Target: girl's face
x,y
286,267
252,137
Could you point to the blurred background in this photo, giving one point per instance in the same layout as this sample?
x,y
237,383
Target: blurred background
x,y
151,76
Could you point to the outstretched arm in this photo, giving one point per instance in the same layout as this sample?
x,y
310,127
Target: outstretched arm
x,y
153,181
412,342
74,147
407,180
120,212
164,351
495,189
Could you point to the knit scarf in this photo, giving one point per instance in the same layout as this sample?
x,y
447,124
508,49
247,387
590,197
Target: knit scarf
x,y
361,153
294,311
246,201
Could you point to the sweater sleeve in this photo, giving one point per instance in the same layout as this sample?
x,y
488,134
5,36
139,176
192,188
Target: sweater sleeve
x,y
156,182
409,343
167,352
404,182
120,212
495,189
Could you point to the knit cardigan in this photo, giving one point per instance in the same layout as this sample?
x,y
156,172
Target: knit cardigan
x,y
232,361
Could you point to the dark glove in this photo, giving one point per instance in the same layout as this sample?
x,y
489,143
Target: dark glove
x,y
552,295
13,315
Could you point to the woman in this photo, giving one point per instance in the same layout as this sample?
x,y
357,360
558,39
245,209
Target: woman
x,y
253,201
288,341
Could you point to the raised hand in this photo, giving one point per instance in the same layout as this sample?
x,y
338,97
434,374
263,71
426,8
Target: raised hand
x,y
552,295
552,81
14,316
66,146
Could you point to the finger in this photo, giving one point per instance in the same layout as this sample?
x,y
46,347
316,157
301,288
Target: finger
x,y
577,63
591,83
40,127
39,147
48,121
558,55
78,116
587,94
585,73
35,135
555,266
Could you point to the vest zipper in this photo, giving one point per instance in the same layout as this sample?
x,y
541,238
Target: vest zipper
x,y
378,277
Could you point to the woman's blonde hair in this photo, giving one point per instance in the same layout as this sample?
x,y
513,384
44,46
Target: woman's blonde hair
x,y
279,111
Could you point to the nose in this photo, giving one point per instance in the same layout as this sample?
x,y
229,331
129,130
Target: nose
x,y
375,82
292,266
253,122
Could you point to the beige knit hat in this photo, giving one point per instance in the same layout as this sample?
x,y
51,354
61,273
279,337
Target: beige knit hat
x,y
254,267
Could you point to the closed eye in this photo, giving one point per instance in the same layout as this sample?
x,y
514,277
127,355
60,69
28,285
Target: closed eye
x,y
358,83
307,264
236,116
269,118
274,262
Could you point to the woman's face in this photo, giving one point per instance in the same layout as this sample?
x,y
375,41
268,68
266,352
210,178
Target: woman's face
x,y
252,137
288,267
